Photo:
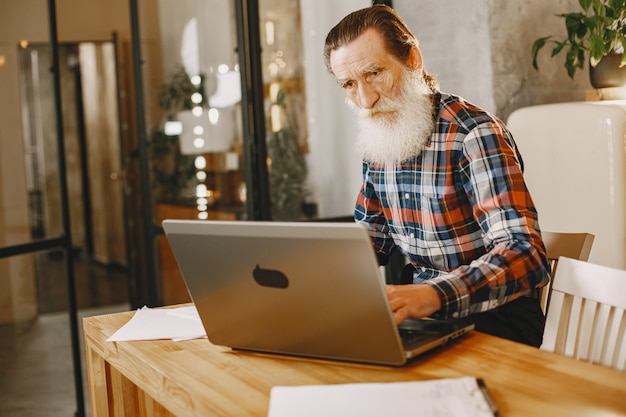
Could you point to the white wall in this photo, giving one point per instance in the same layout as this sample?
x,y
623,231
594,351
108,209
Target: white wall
x,y
334,167
214,22
481,50
455,43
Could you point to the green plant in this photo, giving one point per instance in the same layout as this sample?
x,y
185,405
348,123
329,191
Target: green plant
x,y
171,170
175,94
599,29
287,169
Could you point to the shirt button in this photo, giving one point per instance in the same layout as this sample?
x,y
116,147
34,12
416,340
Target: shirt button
x,y
423,268
407,196
412,235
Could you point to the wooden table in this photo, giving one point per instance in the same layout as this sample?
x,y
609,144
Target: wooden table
x,y
196,378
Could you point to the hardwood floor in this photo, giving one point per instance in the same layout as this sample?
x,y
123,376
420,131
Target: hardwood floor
x,y
36,367
95,284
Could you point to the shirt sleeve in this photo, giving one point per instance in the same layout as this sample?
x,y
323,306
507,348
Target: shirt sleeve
x,y
369,210
515,261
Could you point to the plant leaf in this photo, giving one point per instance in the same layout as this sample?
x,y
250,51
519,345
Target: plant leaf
x,y
576,26
537,45
618,5
584,4
557,49
598,27
596,49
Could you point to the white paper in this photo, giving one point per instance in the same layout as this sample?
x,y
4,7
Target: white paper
x,y
180,323
434,398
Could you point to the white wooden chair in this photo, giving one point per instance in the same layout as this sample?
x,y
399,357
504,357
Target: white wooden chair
x,y
586,319
569,245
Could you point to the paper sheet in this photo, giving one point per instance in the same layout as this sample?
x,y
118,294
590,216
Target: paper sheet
x,y
180,323
434,398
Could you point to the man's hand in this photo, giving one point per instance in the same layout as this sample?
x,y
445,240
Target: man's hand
x,y
412,301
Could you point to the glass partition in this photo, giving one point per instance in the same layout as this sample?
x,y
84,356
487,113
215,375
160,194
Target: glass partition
x,y
59,166
92,146
195,141
197,147
30,222
285,109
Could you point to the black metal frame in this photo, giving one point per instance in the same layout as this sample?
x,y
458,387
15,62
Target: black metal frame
x,y
65,212
253,114
148,291
84,168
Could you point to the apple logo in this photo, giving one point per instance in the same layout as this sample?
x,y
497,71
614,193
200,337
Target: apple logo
x,y
270,277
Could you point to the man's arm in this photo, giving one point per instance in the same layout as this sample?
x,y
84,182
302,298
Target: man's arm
x,y
516,261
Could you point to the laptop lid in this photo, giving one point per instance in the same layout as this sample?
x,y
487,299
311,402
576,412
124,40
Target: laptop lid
x,y
297,288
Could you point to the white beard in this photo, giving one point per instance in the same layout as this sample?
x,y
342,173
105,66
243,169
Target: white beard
x,y
396,130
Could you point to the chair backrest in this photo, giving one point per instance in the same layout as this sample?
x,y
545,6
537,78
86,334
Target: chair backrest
x,y
586,319
568,245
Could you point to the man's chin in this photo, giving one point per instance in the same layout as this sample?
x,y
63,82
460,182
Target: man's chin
x,y
384,118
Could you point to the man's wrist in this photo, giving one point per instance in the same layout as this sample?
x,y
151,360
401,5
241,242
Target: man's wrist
x,y
433,297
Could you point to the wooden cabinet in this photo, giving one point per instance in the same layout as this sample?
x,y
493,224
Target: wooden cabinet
x,y
172,284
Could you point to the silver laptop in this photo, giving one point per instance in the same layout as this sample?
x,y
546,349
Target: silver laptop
x,y
295,288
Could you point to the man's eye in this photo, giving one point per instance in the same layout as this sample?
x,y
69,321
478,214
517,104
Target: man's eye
x,y
348,85
374,75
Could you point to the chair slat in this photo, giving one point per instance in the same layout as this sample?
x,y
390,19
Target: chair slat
x,y
620,346
587,317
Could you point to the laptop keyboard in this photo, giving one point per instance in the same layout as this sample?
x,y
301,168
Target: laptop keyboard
x,y
412,337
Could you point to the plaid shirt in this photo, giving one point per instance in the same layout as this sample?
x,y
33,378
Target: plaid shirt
x,y
460,212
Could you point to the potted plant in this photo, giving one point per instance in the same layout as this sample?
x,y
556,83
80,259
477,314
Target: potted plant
x,y
598,29
171,170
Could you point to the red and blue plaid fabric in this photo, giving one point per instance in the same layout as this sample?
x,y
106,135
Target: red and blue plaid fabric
x,y
460,212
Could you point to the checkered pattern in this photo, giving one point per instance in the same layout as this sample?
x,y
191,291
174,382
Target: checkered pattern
x,y
460,212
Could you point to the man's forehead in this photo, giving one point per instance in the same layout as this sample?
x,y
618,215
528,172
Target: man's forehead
x,y
363,51
368,39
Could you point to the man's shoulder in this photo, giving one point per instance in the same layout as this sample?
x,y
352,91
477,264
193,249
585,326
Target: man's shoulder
x,y
454,109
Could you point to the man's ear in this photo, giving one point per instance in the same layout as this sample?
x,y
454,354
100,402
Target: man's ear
x,y
415,58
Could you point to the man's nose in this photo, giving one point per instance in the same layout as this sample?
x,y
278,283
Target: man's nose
x,y
367,96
